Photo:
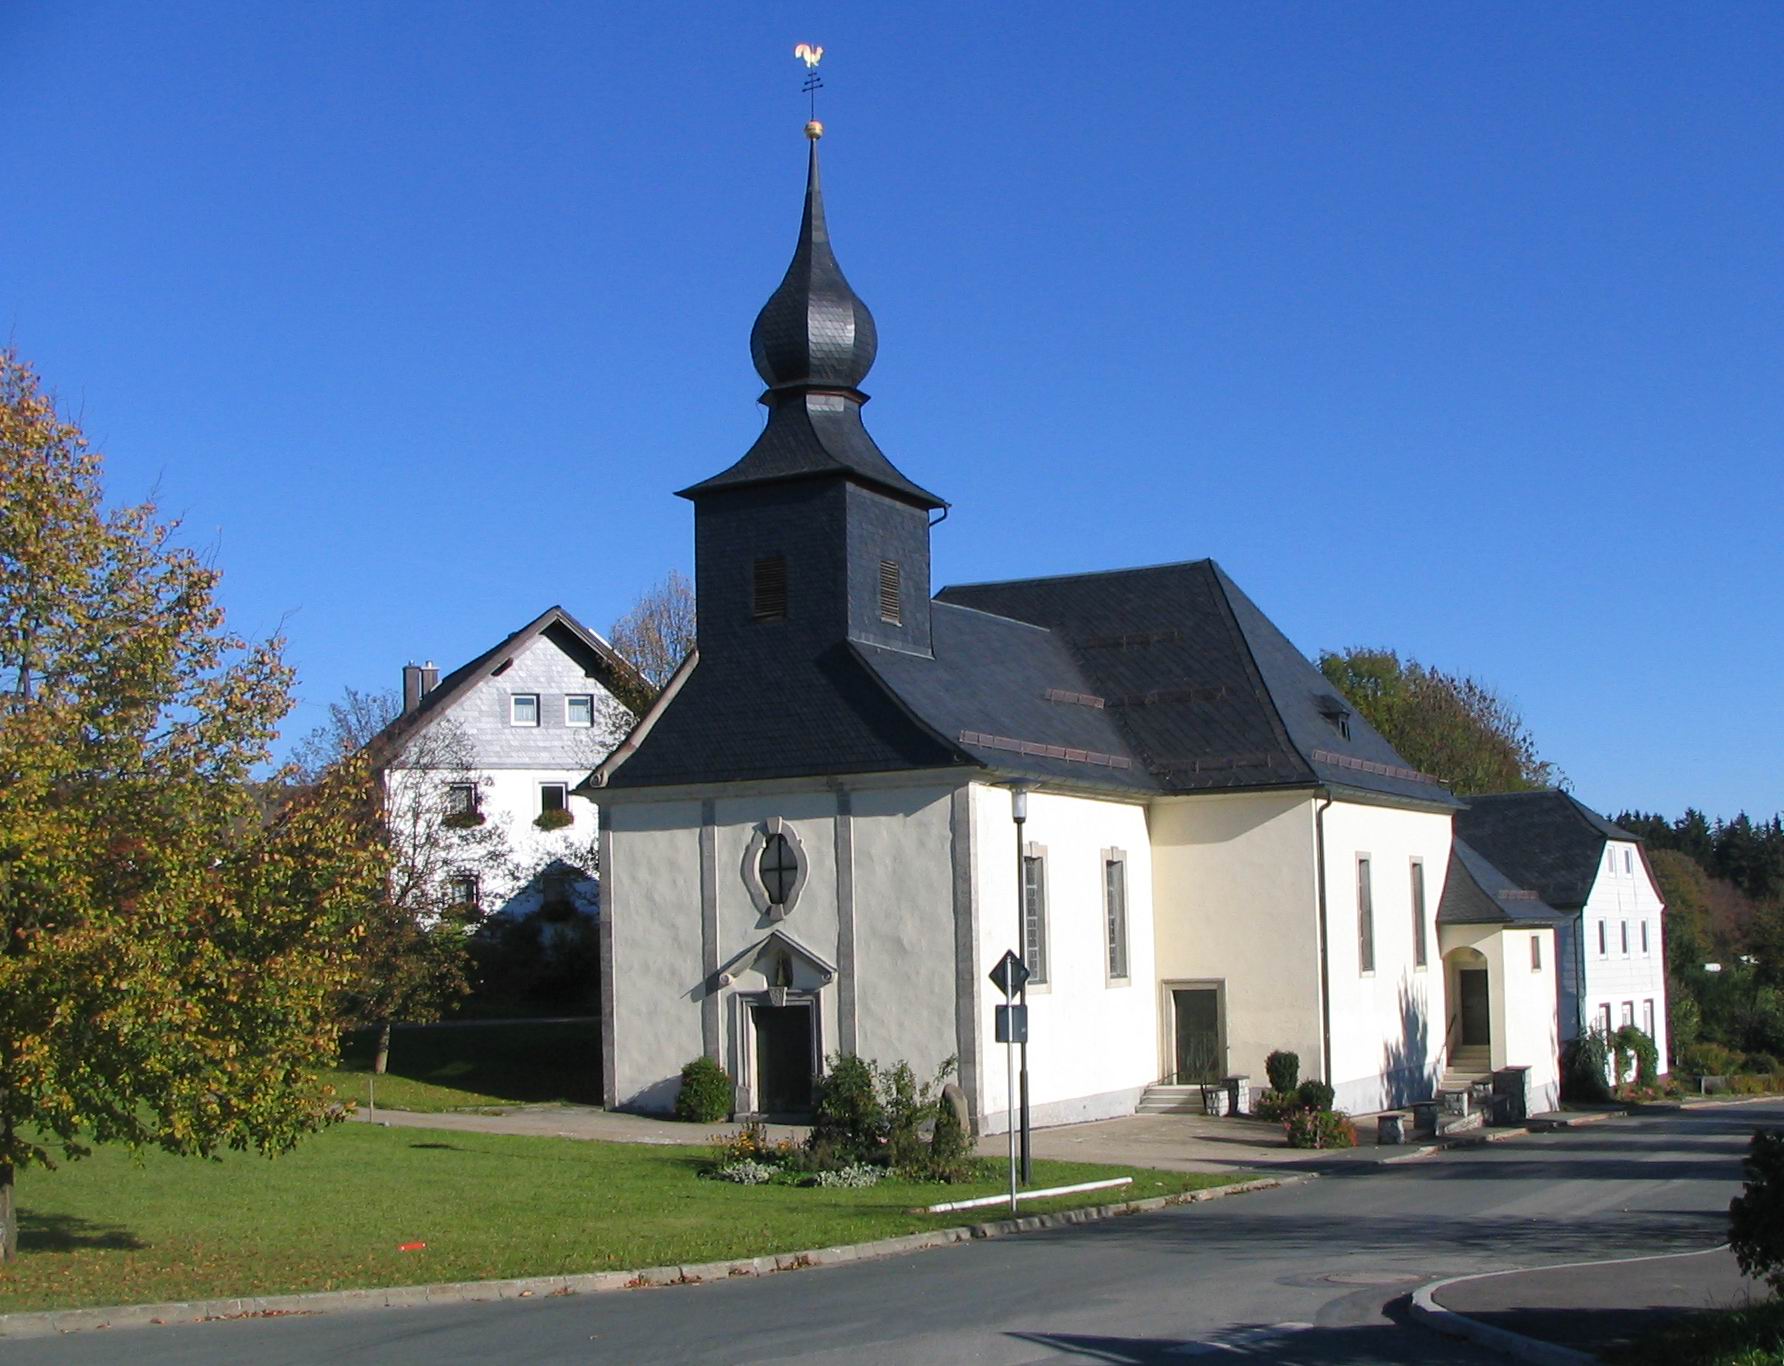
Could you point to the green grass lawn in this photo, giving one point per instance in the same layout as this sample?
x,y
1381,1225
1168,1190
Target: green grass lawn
x,y
475,1066
1716,1337
110,1230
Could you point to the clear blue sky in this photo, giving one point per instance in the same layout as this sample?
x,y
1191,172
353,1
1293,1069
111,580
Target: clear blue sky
x,y
1453,328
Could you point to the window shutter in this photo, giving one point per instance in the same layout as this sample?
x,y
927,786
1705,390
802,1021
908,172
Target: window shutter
x,y
769,597
890,609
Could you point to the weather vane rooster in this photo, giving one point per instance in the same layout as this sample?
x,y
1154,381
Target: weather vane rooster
x,y
811,55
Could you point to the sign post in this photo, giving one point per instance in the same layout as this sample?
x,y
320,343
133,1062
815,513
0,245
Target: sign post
x,y
1012,1029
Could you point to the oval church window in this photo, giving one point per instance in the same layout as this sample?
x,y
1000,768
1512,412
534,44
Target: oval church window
x,y
779,869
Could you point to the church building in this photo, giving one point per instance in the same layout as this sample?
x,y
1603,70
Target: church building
x,y
809,844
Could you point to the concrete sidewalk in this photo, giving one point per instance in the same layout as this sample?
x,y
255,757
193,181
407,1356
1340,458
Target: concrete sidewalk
x,y
1576,1311
1188,1143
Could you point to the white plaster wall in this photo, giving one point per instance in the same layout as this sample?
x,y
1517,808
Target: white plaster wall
x,y
1235,898
810,817
1092,1040
1388,1025
1522,1002
904,925
652,903
1624,896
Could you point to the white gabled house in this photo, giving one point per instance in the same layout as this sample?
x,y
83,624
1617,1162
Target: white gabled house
x,y
480,768
1595,874
809,844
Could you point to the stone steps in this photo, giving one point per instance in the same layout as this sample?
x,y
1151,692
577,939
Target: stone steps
x,y
1179,1100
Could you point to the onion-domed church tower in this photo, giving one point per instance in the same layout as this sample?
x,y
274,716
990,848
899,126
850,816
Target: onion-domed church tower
x,y
812,541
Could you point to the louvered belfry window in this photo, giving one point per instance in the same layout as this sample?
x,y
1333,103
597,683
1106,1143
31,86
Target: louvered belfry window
x,y
768,597
889,597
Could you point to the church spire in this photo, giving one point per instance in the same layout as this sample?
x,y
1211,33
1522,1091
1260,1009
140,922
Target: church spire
x,y
814,332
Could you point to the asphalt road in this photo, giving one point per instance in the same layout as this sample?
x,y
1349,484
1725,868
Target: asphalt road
x,y
1311,1273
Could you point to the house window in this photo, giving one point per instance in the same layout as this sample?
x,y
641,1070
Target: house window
x,y
1604,1019
1644,924
1610,860
1648,1018
1626,939
461,890
579,709
1603,952
779,869
523,709
461,799
552,797
1034,914
1628,1013
768,589
1536,953
1365,917
1419,954
1115,911
1629,861
890,608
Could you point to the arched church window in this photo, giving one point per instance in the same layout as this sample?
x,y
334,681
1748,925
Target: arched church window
x,y
780,870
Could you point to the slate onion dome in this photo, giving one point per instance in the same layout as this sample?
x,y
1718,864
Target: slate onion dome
x,y
814,332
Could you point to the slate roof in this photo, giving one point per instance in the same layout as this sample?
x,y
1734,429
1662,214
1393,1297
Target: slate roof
x,y
1546,841
1142,681
1477,893
1207,693
387,743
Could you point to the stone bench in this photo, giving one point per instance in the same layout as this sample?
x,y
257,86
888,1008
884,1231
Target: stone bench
x,y
1391,1126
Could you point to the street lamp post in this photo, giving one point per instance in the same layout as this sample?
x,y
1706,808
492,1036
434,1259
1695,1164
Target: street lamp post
x,y
1019,814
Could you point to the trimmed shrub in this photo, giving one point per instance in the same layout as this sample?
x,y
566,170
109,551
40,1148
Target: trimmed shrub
x,y
1710,1059
950,1147
1284,1070
1314,1094
1586,1067
706,1094
1756,1215
1320,1129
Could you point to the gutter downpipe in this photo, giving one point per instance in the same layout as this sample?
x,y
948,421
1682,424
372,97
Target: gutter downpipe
x,y
1325,976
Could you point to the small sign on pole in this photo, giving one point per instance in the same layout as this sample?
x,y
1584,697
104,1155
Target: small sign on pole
x,y
1012,1024
1012,1029
1009,974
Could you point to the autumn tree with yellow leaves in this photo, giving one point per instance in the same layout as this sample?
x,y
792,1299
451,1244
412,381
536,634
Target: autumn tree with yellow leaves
x,y
168,951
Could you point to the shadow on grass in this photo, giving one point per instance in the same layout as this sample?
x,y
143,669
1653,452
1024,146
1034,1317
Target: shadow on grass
x,y
528,1063
66,1233
438,1147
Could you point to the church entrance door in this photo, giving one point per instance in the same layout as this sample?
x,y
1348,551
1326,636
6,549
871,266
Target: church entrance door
x,y
1477,1026
1197,1054
784,1062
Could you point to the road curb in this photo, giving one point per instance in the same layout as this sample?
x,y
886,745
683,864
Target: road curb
x,y
1453,1323
55,1322
1430,1314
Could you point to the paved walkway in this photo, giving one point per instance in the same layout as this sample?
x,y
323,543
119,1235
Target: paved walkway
x,y
1593,1307
1191,1143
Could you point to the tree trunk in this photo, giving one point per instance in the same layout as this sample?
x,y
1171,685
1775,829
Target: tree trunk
x,y
9,1226
382,1056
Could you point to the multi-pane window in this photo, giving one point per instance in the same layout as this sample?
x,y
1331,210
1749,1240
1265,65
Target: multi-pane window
x,y
1034,916
768,588
1536,953
1365,917
1419,953
461,799
579,709
779,869
890,607
552,797
1115,914
461,889
524,709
